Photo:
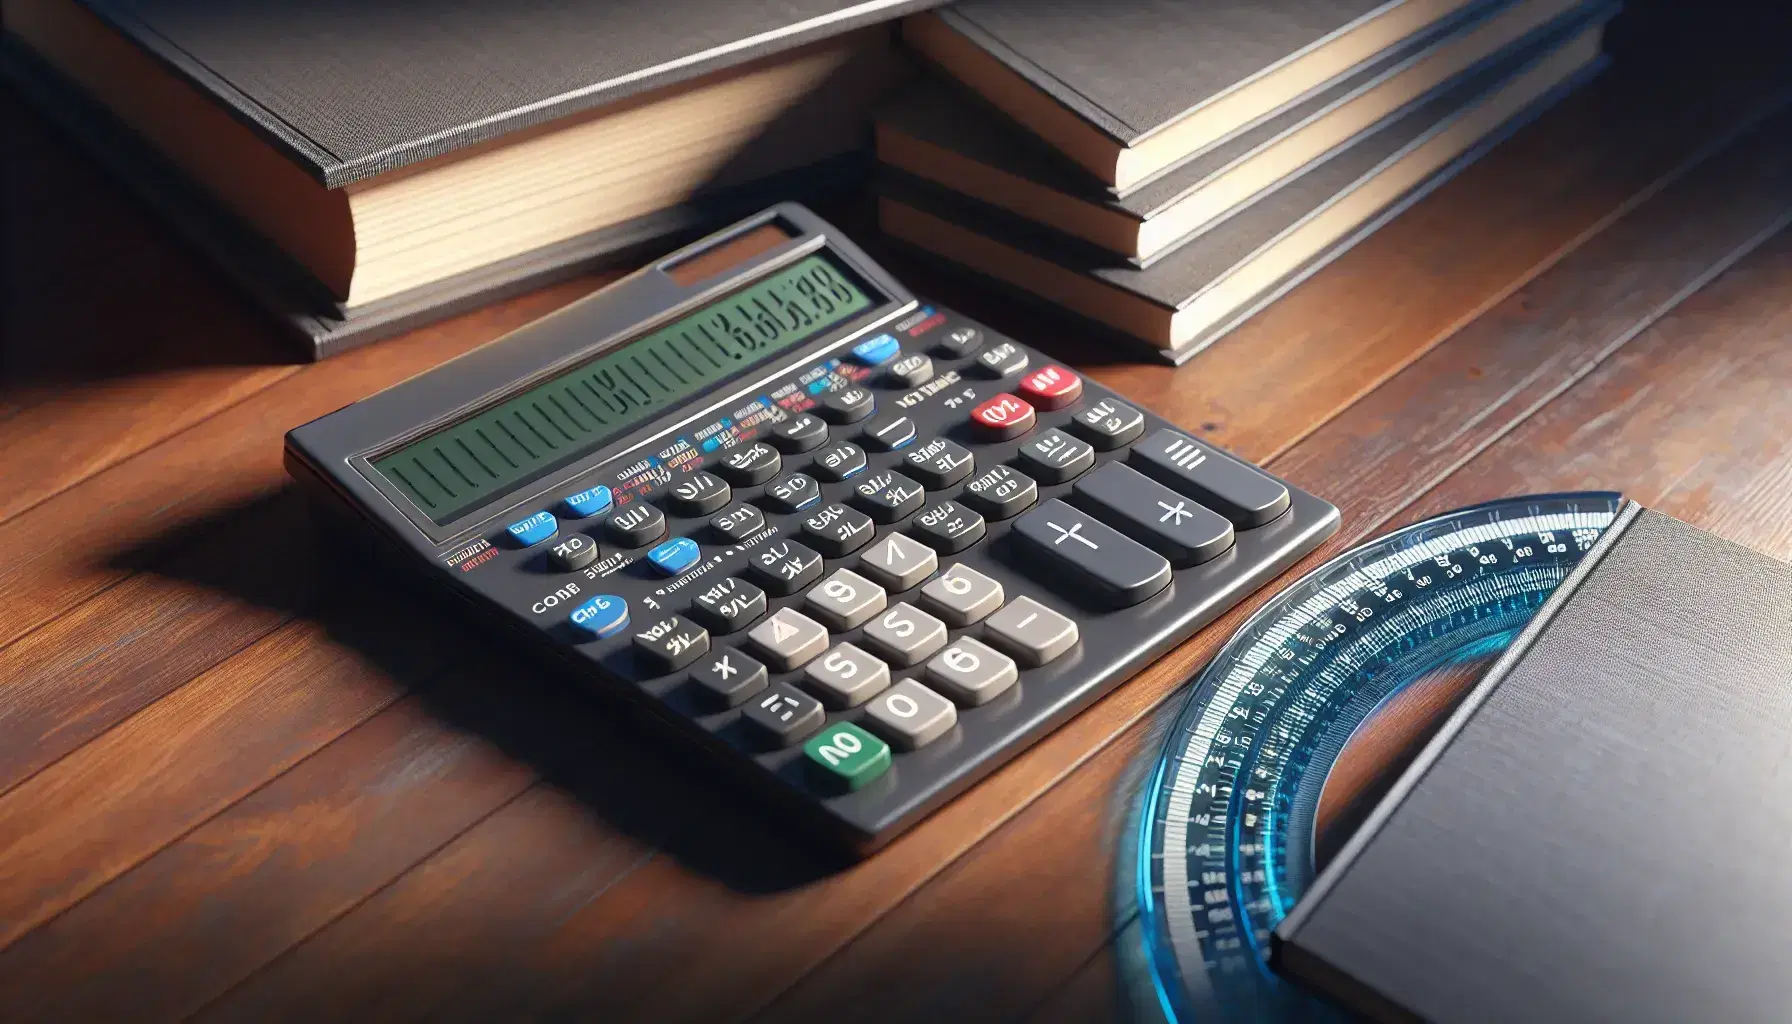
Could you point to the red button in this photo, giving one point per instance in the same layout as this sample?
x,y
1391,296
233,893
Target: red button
x,y
1052,387
1003,417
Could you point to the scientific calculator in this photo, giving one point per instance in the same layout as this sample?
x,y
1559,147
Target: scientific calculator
x,y
862,549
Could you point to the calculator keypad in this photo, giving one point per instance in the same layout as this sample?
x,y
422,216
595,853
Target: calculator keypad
x,y
886,571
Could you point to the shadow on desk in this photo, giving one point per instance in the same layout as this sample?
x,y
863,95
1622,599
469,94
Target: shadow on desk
x,y
631,774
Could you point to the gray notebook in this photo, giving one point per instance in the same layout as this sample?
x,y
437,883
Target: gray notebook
x,y
1601,831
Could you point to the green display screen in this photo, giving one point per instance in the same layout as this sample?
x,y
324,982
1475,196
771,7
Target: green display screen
x,y
460,467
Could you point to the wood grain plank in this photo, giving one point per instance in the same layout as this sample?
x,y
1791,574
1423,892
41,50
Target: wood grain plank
x,y
115,801
88,382
635,949
1456,400
163,939
229,461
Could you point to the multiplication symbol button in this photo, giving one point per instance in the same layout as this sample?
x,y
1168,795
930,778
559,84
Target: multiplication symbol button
x,y
905,635
1055,457
962,595
669,644
754,464
788,639
1075,553
1030,631
698,494
846,677
1171,524
897,562
729,606
1242,493
947,526
910,715
727,678
783,715
785,567
887,497
971,673
844,600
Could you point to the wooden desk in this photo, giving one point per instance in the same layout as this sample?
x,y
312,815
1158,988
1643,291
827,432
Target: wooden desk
x,y
242,778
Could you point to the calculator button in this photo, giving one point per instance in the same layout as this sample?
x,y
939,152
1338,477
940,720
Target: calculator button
x,y
1004,360
971,673
792,492
594,501
574,551
910,715
526,533
1051,387
845,758
601,616
837,531
839,462
847,405
783,715
674,556
939,463
959,342
1168,523
729,606
669,644
1055,457
846,677
636,526
962,596
844,600
888,431
1030,631
1078,553
1241,493
905,635
1001,493
947,526
788,639
800,433
1108,424
887,497
754,464
898,562
1003,417
876,351
738,523
726,678
699,494
785,567
909,371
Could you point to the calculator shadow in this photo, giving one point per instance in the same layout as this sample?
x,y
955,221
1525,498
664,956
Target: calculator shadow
x,y
633,776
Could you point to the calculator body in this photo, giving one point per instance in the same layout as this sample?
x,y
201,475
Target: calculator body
x,y
564,480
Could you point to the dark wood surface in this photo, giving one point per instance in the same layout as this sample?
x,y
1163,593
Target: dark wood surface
x,y
243,778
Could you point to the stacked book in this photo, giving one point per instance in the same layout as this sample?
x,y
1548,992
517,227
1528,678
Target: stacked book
x,y
362,168
1164,169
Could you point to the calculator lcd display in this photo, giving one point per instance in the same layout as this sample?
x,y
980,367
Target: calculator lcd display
x,y
460,467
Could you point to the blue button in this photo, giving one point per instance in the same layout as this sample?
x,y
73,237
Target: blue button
x,y
674,556
876,351
586,504
603,615
535,529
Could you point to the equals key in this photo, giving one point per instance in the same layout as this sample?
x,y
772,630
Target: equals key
x,y
1240,492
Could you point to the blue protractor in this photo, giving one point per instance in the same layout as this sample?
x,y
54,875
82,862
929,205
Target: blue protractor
x,y
1304,718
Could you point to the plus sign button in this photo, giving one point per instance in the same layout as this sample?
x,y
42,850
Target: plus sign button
x,y
1079,555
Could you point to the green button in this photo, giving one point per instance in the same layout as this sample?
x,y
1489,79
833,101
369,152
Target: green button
x,y
845,757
